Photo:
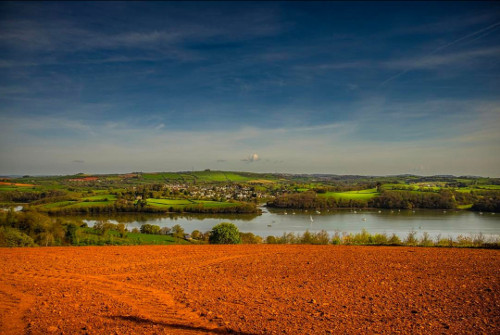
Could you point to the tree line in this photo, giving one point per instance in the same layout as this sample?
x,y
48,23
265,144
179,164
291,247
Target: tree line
x,y
393,199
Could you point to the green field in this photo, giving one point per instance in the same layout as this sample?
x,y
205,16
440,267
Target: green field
x,y
203,176
88,236
101,197
59,204
352,195
167,176
76,204
18,188
181,203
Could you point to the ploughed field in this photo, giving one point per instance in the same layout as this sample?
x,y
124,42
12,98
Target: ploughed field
x,y
249,289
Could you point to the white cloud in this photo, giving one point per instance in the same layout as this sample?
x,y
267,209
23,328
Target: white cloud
x,y
252,158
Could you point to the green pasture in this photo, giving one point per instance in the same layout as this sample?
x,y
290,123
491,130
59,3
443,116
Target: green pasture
x,y
180,203
19,188
59,204
154,239
88,236
352,195
167,176
170,202
76,204
488,187
100,197
219,176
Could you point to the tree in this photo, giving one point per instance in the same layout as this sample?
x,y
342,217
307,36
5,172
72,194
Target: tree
x,y
164,230
71,235
225,233
178,231
150,229
196,234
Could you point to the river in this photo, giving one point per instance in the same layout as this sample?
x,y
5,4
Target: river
x,y
275,222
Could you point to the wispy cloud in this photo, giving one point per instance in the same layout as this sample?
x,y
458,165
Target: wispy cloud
x,y
435,61
430,59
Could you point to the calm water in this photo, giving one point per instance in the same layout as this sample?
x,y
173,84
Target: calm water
x,y
276,222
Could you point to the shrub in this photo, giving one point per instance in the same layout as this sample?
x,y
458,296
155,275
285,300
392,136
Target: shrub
x,y
426,241
271,240
122,230
380,239
321,237
250,238
196,235
178,231
336,239
394,240
150,229
411,239
362,238
71,233
10,237
225,233
307,238
165,230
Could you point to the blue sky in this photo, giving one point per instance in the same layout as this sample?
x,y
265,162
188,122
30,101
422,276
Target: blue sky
x,y
325,87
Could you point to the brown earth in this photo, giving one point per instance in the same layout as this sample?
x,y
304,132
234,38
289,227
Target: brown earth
x,y
16,184
249,289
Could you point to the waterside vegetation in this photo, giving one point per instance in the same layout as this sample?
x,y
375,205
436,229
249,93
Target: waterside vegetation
x,y
31,228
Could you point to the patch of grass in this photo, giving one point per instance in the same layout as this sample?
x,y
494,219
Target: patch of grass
x,y
355,195
169,202
89,236
209,204
488,187
167,176
138,238
90,204
464,206
219,176
102,197
18,188
59,204
181,203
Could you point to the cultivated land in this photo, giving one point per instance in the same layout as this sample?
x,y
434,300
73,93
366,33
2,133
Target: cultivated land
x,y
249,289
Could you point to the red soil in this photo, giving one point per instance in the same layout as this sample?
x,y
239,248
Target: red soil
x,y
16,184
249,289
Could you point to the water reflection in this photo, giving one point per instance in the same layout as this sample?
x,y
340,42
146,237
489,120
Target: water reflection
x,y
276,222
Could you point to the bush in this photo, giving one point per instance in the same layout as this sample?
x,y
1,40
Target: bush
x,y
10,237
411,239
380,239
250,238
196,235
394,240
225,233
178,231
271,240
426,241
321,237
336,239
165,230
150,229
